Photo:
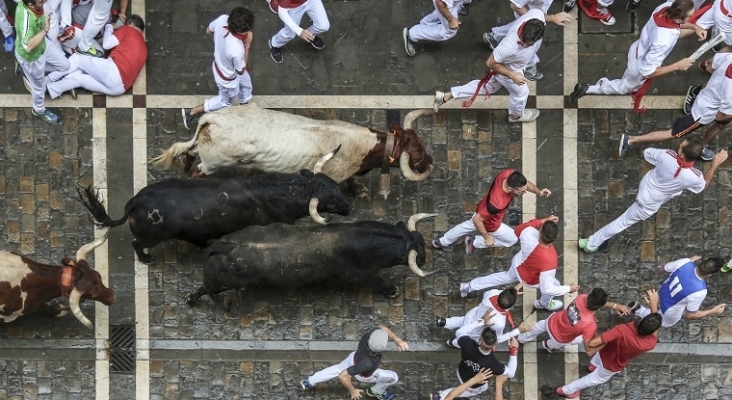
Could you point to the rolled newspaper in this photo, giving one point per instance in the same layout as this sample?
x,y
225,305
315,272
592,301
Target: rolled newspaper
x,y
707,46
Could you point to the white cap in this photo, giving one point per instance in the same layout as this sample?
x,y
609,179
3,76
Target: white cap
x,y
378,341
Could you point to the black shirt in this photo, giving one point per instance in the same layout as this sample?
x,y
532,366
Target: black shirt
x,y
473,360
365,362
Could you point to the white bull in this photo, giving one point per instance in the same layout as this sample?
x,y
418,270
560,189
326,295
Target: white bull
x,y
276,141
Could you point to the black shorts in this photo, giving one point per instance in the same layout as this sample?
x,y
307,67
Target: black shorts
x,y
684,125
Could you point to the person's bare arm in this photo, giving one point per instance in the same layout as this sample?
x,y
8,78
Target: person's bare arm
x,y
345,379
123,8
501,69
453,23
719,158
400,344
479,378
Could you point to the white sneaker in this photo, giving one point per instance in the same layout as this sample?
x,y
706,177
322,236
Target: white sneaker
x,y
529,115
439,100
554,305
464,289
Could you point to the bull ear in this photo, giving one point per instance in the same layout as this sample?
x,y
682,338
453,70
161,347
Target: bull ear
x,y
68,262
401,225
307,173
84,266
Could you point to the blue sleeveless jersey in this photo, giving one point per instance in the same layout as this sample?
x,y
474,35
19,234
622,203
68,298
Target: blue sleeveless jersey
x,y
682,283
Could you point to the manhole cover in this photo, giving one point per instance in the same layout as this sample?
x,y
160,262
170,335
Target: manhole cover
x,y
122,349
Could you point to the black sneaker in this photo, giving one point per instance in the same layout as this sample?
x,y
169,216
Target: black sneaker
x,y
579,91
317,43
441,322
276,53
187,118
449,344
464,10
569,5
633,306
707,154
632,5
691,94
624,144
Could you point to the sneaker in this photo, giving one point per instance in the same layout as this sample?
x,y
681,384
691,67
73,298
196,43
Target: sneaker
x,y
545,346
726,267
47,116
632,5
441,322
691,94
624,144
569,5
18,69
9,44
73,94
633,306
605,16
464,10
317,43
591,368
554,305
306,385
435,396
92,52
187,118
703,66
528,116
579,91
532,73
450,345
439,100
490,40
274,5
572,395
464,289
381,396
707,154
583,243
27,84
275,53
408,43
436,244
469,248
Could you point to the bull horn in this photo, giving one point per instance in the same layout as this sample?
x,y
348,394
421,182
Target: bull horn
x,y
82,252
412,264
413,115
74,299
318,168
313,209
407,170
412,223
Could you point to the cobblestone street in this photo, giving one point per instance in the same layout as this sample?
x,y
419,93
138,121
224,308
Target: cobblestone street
x,y
273,338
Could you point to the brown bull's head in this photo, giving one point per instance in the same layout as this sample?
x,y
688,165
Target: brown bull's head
x,y
88,283
414,162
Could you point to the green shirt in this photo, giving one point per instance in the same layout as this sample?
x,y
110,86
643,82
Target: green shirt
x,y
27,25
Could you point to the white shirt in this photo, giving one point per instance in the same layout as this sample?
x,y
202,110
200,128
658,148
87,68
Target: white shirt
x,y
451,3
659,185
542,5
228,53
717,94
509,52
721,20
654,45
473,323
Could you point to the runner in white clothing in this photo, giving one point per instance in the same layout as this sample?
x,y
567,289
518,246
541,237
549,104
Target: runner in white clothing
x,y
674,172
646,55
521,7
439,25
507,64
7,28
713,103
291,13
719,16
98,17
683,292
232,38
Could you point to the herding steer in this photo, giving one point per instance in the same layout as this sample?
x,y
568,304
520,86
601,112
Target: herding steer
x,y
291,256
27,285
198,210
276,141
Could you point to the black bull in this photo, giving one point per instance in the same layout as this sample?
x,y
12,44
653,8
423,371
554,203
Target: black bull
x,y
198,210
291,256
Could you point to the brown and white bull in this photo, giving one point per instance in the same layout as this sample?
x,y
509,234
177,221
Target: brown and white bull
x,y
27,285
276,141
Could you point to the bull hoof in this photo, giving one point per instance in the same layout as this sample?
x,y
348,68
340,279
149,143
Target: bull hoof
x,y
188,162
146,259
197,172
226,304
393,292
190,301
360,191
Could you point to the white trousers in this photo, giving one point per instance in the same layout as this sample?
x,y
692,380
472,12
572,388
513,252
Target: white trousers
x,y
97,18
504,278
383,378
434,26
242,89
99,75
5,26
631,81
52,59
518,94
60,17
597,377
541,327
315,10
671,317
503,236
634,214
470,392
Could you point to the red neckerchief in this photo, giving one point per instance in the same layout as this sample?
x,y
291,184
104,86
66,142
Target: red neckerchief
x,y
698,13
520,32
728,73
682,164
663,21
240,36
506,313
38,13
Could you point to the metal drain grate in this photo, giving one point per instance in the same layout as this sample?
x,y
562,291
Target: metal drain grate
x,y
122,349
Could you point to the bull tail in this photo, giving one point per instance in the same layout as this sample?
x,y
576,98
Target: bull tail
x,y
167,157
413,115
90,199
